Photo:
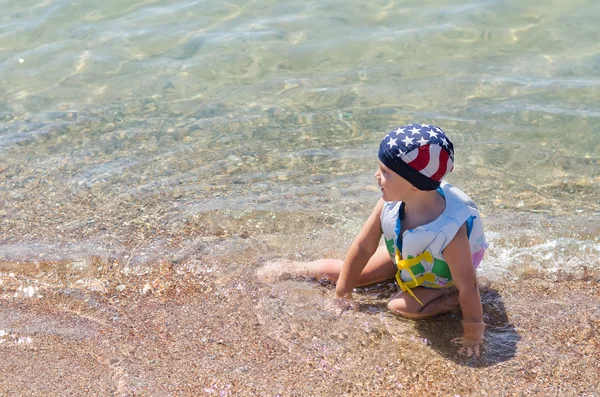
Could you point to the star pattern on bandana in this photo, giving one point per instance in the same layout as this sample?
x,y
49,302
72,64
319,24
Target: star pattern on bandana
x,y
410,137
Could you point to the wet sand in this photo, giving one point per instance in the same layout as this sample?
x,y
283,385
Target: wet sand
x,y
169,332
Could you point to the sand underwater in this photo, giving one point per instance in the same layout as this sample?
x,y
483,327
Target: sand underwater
x,y
131,284
96,328
144,281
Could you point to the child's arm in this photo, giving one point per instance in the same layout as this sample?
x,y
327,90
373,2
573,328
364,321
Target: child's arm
x,y
359,253
458,257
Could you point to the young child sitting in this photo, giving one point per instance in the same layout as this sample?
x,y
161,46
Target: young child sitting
x,y
433,236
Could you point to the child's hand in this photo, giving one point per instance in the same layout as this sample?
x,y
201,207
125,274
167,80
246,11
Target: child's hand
x,y
341,304
473,339
469,346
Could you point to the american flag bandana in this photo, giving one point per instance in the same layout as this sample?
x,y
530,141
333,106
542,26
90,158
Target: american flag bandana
x,y
420,153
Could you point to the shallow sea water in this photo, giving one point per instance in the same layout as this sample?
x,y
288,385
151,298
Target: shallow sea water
x,y
156,149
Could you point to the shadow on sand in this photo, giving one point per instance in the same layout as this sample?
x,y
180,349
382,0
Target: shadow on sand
x,y
501,336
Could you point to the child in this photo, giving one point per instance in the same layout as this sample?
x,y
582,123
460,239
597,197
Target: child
x,y
433,236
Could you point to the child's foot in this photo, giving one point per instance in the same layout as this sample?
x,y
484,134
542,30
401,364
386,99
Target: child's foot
x,y
282,269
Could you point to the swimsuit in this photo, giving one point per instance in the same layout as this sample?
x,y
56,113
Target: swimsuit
x,y
418,254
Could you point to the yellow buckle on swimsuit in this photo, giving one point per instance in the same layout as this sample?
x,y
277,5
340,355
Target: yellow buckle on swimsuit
x,y
406,264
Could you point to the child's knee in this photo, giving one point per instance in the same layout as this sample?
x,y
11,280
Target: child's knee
x,y
402,307
326,266
396,307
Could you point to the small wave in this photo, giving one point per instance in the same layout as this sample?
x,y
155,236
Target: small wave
x,y
508,259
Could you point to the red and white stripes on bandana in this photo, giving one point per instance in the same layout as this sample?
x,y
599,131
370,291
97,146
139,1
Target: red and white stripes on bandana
x,y
420,153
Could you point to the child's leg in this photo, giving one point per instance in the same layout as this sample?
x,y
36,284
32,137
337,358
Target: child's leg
x,y
435,301
379,268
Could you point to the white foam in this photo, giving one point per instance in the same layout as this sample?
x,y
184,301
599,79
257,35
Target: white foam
x,y
565,254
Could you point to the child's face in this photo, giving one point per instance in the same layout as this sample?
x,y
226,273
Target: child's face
x,y
392,185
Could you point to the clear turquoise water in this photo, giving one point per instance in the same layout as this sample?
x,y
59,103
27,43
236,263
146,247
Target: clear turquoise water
x,y
145,130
